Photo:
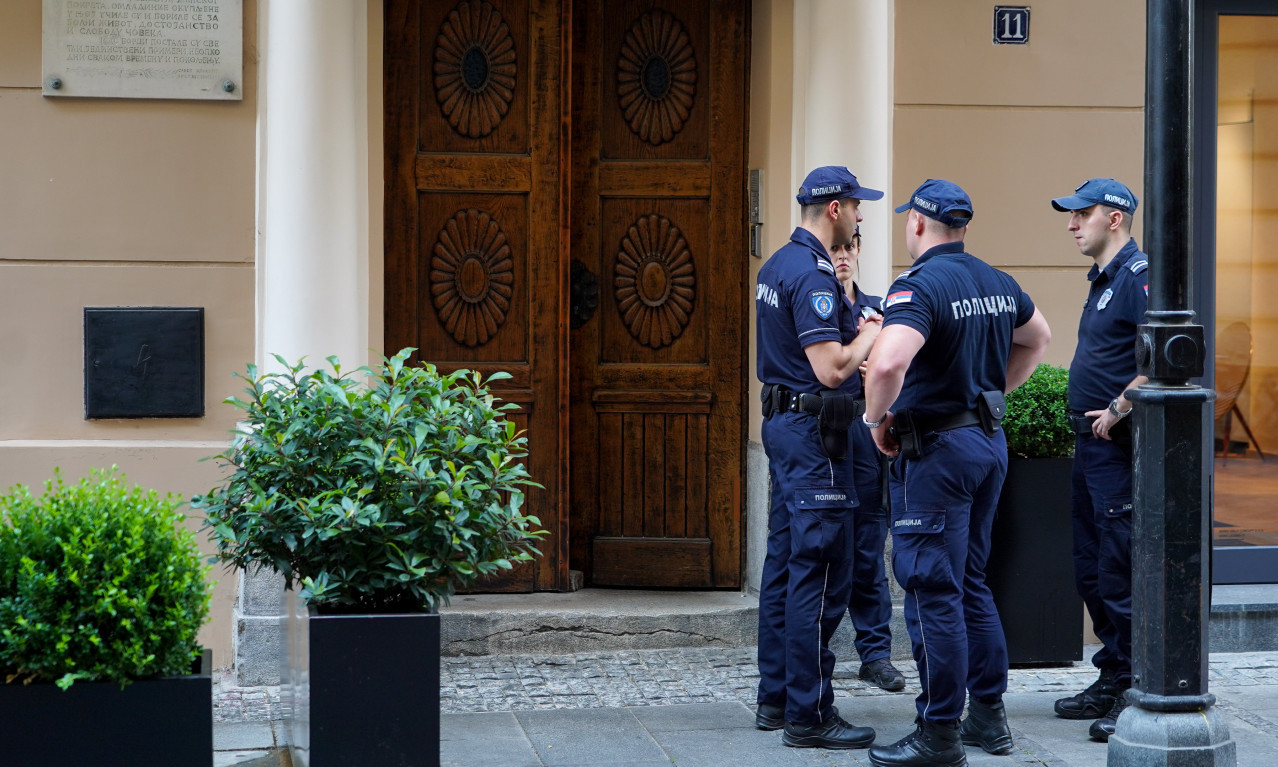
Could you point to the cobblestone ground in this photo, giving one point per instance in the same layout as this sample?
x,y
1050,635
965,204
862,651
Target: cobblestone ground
x,y
667,677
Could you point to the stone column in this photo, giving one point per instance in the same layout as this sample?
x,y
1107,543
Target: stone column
x,y
843,70
312,251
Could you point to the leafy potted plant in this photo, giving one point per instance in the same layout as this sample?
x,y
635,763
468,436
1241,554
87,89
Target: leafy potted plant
x,y
1031,570
102,593
378,499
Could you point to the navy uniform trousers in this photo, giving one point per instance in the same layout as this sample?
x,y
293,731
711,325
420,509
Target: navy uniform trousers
x,y
1102,510
807,572
870,603
943,508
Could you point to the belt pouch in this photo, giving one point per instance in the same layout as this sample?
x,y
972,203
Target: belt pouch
x,y
907,435
833,422
991,406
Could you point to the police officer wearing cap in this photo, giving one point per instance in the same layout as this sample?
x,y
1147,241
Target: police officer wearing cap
x,y
808,347
870,603
957,335
1104,368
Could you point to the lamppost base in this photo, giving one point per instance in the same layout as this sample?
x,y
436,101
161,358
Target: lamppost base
x,y
1171,739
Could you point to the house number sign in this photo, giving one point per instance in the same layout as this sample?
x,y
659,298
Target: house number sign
x,y
1011,24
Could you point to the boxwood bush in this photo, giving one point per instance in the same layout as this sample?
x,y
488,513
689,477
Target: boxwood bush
x,y
1037,421
379,496
98,581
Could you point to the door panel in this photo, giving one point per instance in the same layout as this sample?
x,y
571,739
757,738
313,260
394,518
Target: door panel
x,y
657,210
516,181
473,153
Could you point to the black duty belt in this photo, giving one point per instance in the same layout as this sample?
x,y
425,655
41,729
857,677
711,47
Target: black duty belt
x,y
799,402
1081,424
777,399
947,422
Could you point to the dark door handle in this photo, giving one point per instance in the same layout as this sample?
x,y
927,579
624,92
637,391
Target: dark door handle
x,y
583,295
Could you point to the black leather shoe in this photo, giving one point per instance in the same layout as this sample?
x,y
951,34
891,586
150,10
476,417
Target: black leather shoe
x,y
932,744
769,717
832,733
1102,728
986,726
1092,702
881,673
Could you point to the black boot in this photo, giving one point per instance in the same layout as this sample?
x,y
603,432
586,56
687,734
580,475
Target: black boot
x,y
769,717
1093,702
932,744
832,733
986,726
1102,728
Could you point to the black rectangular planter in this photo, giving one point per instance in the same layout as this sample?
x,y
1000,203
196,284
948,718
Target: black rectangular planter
x,y
363,690
151,723
1031,567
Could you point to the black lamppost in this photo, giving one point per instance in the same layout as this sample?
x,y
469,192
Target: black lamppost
x,y
1172,720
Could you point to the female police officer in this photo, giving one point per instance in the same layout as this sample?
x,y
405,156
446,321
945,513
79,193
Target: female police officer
x,y
957,335
808,346
870,602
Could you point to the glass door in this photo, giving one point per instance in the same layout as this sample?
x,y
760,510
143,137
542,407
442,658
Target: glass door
x,y
1239,297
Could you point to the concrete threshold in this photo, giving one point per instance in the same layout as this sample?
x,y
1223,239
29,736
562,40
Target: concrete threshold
x,y
1243,619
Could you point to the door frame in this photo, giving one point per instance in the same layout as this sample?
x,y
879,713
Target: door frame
x,y
1230,564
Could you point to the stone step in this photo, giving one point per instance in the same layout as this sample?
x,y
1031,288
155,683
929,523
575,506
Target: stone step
x,y
1243,619
597,620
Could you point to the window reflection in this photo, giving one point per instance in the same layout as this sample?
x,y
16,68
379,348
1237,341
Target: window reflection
x,y
1246,432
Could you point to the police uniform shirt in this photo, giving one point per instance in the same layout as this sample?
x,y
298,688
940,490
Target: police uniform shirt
x,y
966,311
1105,358
799,302
865,456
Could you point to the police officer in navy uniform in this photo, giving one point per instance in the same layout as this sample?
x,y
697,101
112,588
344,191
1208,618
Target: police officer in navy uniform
x,y
808,346
957,335
870,603
1104,368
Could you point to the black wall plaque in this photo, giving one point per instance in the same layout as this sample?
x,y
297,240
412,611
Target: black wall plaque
x,y
143,362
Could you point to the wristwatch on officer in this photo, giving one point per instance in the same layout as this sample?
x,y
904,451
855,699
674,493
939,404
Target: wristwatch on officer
x,y
1119,414
873,424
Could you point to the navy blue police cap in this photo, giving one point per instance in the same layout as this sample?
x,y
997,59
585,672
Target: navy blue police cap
x,y
939,199
1102,191
833,182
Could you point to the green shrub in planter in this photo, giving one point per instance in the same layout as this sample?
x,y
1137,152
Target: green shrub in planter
x,y
1037,421
374,498
98,581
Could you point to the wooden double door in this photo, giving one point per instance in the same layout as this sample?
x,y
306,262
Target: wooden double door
x,y
565,187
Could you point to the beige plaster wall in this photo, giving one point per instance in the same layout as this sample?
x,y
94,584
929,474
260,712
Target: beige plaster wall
x,y
1017,125
771,137
119,202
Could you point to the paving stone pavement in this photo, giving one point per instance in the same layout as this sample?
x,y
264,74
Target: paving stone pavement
x,y
679,676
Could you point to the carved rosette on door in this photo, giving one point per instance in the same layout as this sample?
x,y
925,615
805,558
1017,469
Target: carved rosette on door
x,y
654,281
471,277
474,68
656,77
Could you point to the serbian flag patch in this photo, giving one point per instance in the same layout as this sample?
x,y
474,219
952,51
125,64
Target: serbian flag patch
x,y
902,297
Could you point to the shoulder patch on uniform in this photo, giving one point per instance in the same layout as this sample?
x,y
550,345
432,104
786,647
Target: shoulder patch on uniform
x,y
822,303
1138,266
899,297
824,265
